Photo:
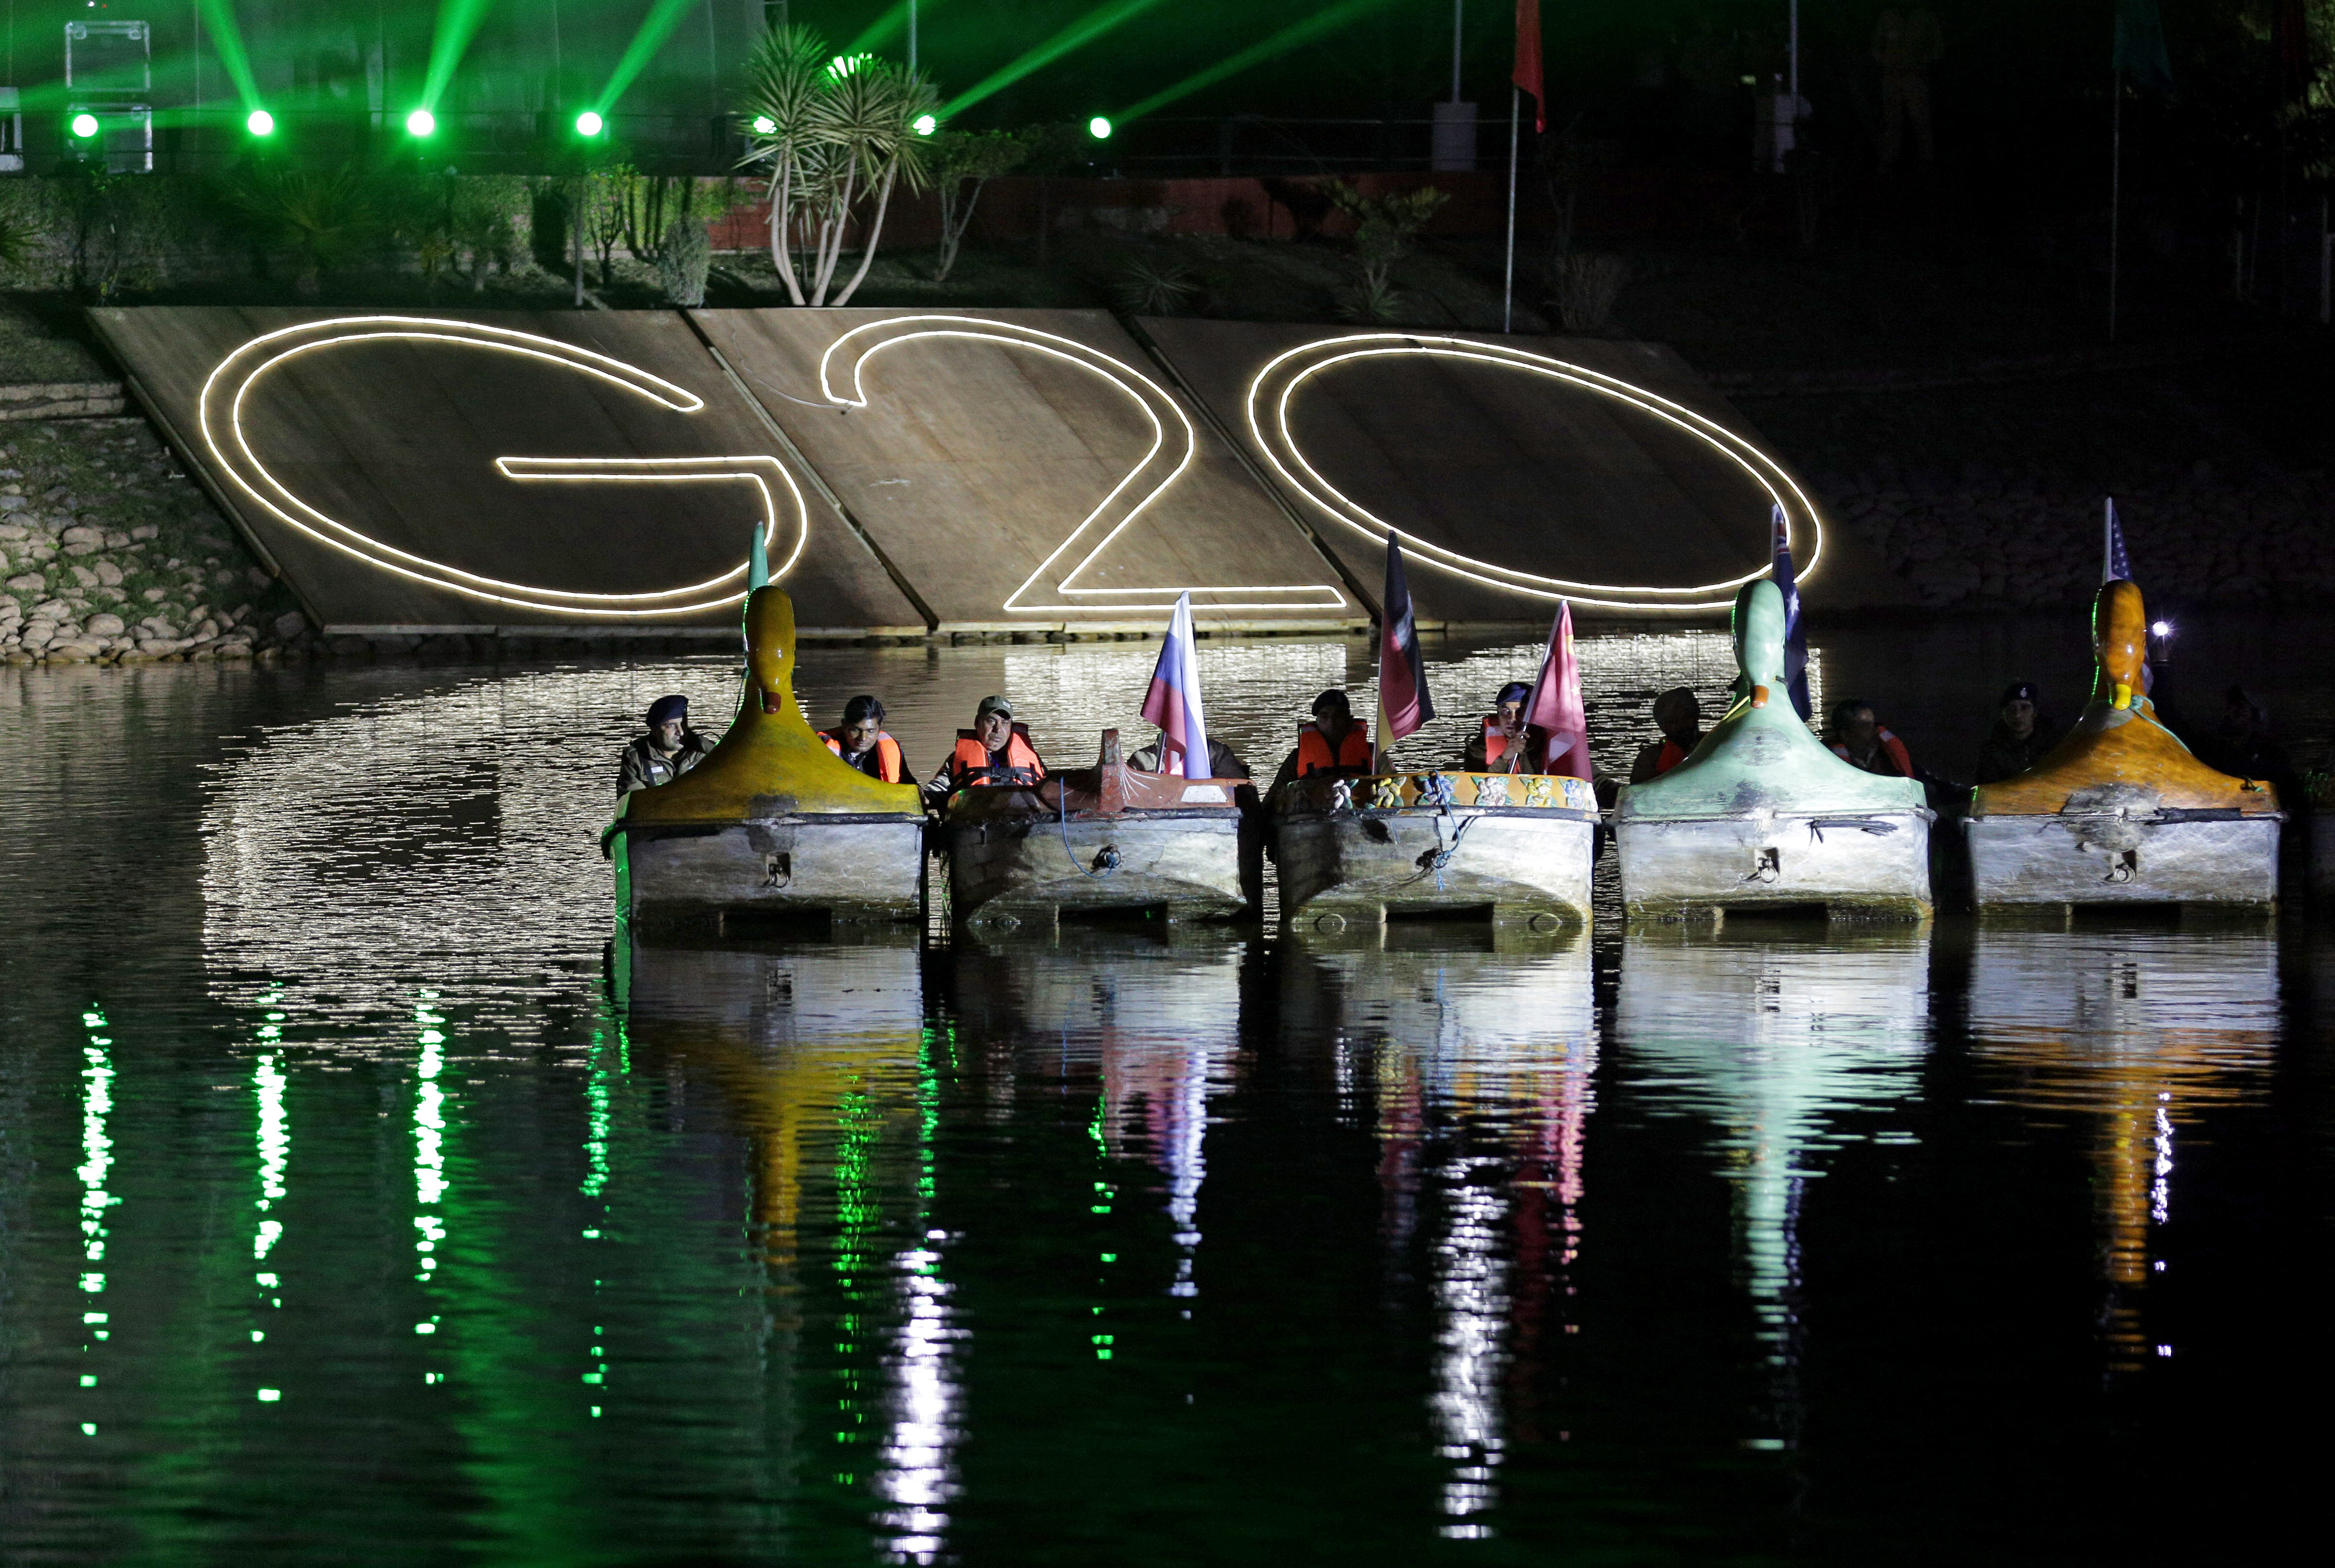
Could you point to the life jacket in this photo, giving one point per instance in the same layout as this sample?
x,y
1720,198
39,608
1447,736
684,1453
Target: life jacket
x,y
969,764
1496,747
1314,752
889,765
1890,747
1672,755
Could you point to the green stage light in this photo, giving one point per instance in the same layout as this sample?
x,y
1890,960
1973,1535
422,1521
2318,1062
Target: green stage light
x,y
84,126
765,126
925,124
259,122
420,122
589,123
1099,128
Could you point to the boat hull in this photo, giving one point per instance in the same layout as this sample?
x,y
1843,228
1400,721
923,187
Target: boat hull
x,y
2040,859
1519,866
1871,866
1007,871
844,868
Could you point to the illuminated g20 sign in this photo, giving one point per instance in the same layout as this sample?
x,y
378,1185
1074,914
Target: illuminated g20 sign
x,y
1061,584
223,411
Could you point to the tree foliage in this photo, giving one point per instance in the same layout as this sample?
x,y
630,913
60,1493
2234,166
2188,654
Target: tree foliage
x,y
963,162
833,136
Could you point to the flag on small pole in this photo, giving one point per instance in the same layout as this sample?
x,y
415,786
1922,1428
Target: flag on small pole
x,y
1174,700
1403,702
2115,567
1524,77
1796,637
1555,708
757,561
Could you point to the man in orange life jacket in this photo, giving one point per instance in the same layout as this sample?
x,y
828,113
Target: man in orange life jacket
x,y
860,741
1334,743
1504,743
996,750
1858,738
1679,718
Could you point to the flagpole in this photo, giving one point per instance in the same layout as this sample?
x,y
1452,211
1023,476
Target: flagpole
x,y
1508,279
2115,183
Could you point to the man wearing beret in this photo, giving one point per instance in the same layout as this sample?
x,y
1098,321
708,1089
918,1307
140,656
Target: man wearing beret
x,y
668,749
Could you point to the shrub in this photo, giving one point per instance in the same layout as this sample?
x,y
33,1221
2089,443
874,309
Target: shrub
x,y
1585,284
684,259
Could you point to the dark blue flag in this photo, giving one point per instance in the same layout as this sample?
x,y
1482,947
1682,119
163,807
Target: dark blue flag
x,y
1796,639
2115,567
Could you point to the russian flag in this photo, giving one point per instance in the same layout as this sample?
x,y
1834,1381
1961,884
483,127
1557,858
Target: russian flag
x,y
1796,637
1555,709
1174,700
1403,702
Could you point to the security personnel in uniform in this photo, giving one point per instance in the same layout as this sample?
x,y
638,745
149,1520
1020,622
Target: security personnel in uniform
x,y
996,750
860,741
668,749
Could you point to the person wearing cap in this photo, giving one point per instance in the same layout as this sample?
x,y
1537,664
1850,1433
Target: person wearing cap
x,y
668,749
861,742
2020,736
1335,743
1504,743
996,750
1678,717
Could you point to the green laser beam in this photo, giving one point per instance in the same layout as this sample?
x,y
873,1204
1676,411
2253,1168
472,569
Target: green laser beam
x,y
891,25
227,39
1084,31
1264,48
655,28
458,23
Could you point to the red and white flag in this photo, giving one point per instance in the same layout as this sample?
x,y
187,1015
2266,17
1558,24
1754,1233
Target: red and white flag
x,y
1403,702
1555,708
1174,700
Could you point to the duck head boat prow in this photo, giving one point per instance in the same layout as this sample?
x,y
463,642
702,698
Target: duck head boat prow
x,y
2120,811
1762,813
772,821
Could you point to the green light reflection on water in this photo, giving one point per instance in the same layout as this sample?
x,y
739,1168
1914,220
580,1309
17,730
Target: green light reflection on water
x,y
97,1162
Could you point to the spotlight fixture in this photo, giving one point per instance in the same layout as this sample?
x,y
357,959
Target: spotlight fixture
x,y
589,123
259,122
420,122
1099,128
765,126
84,126
924,125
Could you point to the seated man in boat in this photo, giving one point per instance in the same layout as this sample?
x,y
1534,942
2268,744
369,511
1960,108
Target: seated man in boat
x,y
1335,744
1504,743
2020,736
1678,717
861,742
668,749
1222,761
1859,739
996,750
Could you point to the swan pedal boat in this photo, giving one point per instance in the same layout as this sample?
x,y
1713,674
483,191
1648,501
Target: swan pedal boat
x,y
2120,811
1514,848
772,823
1762,815
1099,840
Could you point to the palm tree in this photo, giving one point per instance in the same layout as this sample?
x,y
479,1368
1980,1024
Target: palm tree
x,y
832,134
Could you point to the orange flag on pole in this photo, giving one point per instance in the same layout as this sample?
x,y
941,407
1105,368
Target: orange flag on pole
x,y
1526,75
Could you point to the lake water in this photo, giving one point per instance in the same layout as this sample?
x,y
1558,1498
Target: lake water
x,y
358,1204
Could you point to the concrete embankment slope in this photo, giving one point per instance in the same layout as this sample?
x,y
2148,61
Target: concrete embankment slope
x,y
1031,469
970,473
1517,468
494,470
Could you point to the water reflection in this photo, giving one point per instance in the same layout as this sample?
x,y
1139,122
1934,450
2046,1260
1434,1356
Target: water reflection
x,y
1479,1061
1156,1018
2137,1031
820,1056
1777,1038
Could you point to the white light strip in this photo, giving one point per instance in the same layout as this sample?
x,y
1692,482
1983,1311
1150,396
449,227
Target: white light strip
x,y
1150,400
1279,446
220,415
